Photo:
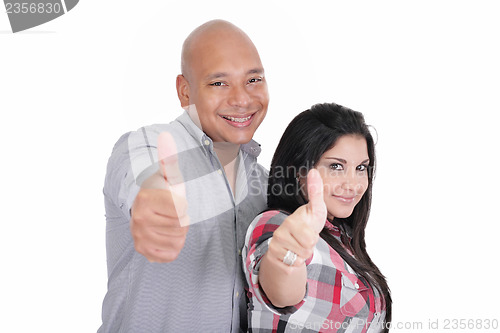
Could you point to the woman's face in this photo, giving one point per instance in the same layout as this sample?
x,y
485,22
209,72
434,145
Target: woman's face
x,y
344,170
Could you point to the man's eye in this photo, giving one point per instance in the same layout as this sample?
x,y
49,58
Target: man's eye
x,y
255,79
217,84
336,166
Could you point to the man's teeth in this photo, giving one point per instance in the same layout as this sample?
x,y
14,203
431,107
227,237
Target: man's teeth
x,y
237,120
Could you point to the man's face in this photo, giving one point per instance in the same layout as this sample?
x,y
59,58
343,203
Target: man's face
x,y
226,83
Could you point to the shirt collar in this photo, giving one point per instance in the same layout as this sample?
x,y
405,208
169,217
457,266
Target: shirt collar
x,y
252,148
332,228
337,231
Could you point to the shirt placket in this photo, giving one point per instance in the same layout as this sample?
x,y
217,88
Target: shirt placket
x,y
237,284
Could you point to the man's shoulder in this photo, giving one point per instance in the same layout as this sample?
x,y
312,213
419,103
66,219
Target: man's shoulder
x,y
154,130
174,127
147,136
138,148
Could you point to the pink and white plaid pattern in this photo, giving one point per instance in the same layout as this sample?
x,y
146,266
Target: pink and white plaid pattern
x,y
336,300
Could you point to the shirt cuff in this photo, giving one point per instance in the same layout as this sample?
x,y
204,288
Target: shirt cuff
x,y
259,293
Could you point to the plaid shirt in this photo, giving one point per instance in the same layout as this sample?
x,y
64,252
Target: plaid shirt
x,y
336,299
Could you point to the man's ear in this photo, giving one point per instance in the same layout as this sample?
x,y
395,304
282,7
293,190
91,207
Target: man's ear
x,y
182,86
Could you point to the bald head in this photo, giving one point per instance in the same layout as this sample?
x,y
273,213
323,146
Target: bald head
x,y
210,34
222,85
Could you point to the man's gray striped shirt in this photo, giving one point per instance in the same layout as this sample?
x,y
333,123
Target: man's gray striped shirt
x,y
203,289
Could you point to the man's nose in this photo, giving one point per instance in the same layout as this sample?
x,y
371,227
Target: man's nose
x,y
239,97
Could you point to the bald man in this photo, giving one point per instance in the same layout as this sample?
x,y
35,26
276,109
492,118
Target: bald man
x,y
180,196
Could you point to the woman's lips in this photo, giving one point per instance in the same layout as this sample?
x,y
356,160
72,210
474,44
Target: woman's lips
x,y
345,199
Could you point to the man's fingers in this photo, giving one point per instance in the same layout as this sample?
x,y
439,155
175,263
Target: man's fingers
x,y
160,202
161,256
316,208
184,221
158,243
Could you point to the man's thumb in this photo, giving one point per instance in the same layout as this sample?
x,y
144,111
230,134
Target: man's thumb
x,y
169,165
316,207
168,159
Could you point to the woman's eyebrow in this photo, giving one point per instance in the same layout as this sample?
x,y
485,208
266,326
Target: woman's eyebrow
x,y
336,158
341,160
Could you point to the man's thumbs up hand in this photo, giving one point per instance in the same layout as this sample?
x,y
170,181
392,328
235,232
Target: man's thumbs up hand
x,y
159,222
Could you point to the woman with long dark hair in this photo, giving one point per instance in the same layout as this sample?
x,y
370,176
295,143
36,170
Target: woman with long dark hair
x,y
305,258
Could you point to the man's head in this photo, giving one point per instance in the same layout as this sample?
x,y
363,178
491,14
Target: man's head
x,y
222,75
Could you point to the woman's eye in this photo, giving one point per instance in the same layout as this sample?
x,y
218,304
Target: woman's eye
x,y
336,166
362,167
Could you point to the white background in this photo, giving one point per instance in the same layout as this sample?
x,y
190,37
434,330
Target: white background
x,y
426,74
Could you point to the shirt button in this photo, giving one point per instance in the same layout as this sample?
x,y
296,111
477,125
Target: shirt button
x,y
356,286
239,252
237,294
219,171
206,142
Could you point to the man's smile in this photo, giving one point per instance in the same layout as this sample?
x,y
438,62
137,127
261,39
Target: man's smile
x,y
238,121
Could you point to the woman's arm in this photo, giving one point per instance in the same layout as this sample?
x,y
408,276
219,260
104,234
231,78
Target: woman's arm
x,y
285,285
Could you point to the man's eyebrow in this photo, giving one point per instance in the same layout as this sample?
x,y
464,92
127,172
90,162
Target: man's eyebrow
x,y
256,71
219,75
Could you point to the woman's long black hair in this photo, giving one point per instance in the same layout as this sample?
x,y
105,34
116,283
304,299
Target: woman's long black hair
x,y
308,136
